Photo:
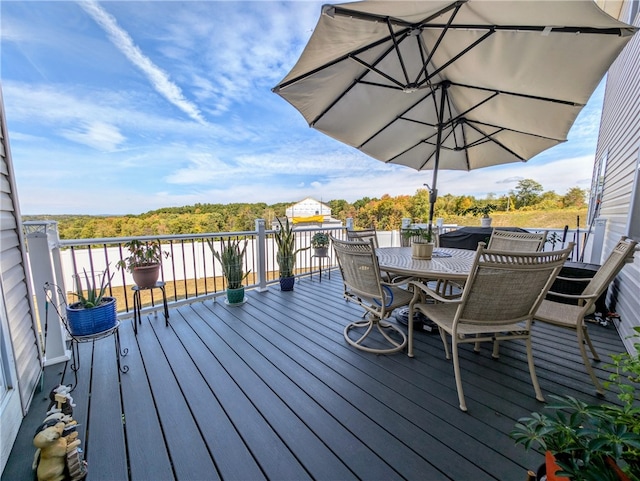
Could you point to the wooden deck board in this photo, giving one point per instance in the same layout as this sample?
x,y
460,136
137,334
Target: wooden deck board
x,y
270,390
144,432
184,442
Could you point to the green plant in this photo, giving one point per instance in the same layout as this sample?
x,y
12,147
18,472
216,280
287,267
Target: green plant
x,y
94,292
142,253
286,241
418,234
587,440
320,239
230,256
593,442
480,210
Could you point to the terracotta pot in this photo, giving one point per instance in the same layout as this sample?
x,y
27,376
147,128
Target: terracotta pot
x,y
146,276
553,468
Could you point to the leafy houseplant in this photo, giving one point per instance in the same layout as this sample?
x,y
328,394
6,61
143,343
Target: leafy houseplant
x,y
231,256
421,242
143,262
285,239
591,442
93,312
320,244
481,210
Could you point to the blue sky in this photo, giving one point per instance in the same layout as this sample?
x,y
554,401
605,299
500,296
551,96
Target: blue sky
x,y
125,107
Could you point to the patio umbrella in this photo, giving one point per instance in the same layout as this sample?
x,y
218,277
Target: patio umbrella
x,y
452,85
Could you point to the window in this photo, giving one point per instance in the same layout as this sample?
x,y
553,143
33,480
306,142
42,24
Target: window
x,y
597,186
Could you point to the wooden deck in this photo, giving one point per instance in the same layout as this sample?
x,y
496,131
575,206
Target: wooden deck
x,y
271,390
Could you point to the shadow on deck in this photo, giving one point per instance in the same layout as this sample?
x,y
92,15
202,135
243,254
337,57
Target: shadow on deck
x,y
271,390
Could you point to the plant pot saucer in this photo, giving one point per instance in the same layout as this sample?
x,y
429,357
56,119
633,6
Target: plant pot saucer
x,y
226,301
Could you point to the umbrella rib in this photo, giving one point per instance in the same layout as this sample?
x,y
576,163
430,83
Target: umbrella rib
x,y
345,12
365,16
372,68
516,94
397,49
399,117
424,48
357,80
490,138
501,128
457,56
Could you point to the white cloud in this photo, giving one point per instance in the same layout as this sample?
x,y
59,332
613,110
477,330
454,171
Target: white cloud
x,y
159,79
99,135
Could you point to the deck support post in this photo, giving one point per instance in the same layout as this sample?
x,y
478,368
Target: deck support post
x,y
44,259
261,245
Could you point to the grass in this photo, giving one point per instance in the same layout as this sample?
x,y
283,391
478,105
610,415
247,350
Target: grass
x,y
544,219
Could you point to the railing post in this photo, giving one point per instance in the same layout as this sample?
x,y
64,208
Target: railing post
x,y
349,223
261,256
44,260
599,229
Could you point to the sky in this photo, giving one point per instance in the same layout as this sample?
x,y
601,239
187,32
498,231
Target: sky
x,y
125,107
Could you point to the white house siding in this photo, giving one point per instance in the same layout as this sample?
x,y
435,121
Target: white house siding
x,y
20,353
619,140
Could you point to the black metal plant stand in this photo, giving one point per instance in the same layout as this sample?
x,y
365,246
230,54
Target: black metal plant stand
x,y
76,340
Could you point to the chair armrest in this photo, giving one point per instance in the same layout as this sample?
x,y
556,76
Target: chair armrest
x,y
397,281
573,296
420,286
575,279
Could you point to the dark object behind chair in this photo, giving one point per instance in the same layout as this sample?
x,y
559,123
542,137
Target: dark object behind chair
x,y
469,237
576,270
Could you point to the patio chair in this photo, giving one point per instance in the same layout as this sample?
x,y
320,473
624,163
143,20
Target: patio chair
x,y
363,285
512,241
572,316
505,240
498,302
363,235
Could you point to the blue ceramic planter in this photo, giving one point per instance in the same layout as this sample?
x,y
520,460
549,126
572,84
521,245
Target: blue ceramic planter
x,y
86,322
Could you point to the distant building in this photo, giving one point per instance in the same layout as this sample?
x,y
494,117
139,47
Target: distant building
x,y
310,213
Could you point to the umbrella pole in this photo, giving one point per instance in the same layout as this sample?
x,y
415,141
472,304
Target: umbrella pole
x,y
433,192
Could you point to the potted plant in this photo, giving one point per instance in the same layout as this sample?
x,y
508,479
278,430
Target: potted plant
x,y
231,257
286,256
93,312
320,244
421,242
481,210
143,262
590,442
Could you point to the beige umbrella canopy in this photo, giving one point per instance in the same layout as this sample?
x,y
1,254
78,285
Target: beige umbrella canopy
x,y
452,85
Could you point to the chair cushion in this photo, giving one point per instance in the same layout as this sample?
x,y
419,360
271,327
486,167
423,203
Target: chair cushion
x,y
558,313
443,315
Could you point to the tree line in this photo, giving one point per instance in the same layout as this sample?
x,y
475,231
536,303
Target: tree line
x,y
385,213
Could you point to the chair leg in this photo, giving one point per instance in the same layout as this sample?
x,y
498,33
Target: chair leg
x,y
410,331
532,371
456,370
594,354
381,326
443,336
587,362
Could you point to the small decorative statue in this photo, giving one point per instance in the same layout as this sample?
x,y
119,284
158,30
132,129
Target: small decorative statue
x,y
58,456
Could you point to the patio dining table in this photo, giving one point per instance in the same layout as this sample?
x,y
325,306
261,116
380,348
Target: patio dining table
x,y
446,263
